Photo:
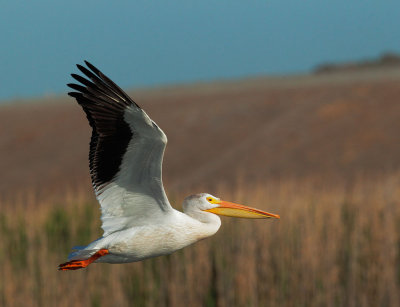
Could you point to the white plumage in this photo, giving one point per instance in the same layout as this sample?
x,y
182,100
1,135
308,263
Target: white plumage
x,y
125,159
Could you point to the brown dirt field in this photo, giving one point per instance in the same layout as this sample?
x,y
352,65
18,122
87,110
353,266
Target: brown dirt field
x,y
335,127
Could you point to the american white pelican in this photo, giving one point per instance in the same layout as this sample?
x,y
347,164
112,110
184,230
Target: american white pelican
x,y
125,159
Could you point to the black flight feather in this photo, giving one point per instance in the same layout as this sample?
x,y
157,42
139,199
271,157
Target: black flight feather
x,y
104,104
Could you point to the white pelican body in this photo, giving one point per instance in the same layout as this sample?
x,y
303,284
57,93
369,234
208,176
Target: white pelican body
x,y
125,159
177,230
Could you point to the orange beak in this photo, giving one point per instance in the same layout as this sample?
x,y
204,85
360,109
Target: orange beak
x,y
235,210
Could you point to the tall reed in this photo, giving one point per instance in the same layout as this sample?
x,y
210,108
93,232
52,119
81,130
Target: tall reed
x,y
334,246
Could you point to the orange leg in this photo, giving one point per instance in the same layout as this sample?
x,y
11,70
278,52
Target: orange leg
x,y
80,264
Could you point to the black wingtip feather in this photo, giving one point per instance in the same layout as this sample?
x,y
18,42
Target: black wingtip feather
x,y
74,94
101,83
84,70
79,78
77,87
104,104
92,67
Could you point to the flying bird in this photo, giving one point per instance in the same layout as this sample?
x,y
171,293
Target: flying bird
x,y
125,160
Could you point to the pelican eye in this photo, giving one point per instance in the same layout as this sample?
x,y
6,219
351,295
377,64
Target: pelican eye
x,y
209,199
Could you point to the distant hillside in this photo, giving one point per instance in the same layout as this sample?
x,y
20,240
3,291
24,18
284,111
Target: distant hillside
x,y
387,60
333,126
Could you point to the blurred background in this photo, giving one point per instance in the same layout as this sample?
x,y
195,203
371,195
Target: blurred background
x,y
288,106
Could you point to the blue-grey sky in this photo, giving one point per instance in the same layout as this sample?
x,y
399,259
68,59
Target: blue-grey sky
x,y
146,43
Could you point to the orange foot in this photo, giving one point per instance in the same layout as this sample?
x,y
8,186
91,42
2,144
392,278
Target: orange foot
x,y
80,264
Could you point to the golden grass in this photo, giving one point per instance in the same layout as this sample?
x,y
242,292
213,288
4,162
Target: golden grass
x,y
334,246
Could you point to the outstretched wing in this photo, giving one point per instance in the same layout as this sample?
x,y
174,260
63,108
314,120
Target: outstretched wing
x,y
126,153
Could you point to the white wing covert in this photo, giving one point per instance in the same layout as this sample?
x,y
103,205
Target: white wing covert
x,y
126,153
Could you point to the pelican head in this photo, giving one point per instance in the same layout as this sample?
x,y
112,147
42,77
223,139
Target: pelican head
x,y
199,204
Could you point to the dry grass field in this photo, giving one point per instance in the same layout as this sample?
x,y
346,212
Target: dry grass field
x,y
322,151
334,246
